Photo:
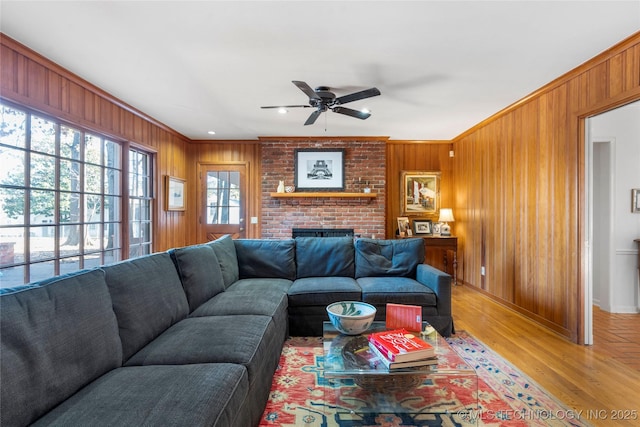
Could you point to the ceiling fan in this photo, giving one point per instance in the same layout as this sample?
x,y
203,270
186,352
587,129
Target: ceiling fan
x,y
322,99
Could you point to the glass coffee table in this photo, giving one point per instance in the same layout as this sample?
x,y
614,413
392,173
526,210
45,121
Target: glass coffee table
x,y
359,386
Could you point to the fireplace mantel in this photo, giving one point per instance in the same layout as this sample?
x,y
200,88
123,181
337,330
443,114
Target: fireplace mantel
x,y
323,194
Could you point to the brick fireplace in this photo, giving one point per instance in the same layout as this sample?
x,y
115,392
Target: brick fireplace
x,y
364,161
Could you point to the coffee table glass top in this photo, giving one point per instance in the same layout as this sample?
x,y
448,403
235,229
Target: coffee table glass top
x,y
341,355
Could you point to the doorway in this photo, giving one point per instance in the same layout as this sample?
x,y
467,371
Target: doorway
x,y
612,156
222,201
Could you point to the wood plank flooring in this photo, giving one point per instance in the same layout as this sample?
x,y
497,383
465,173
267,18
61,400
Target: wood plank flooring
x,y
602,383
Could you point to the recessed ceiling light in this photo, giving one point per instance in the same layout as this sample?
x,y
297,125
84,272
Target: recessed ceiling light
x,y
283,110
365,110
212,132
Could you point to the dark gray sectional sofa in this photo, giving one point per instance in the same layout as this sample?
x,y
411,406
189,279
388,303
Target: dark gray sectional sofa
x,y
191,336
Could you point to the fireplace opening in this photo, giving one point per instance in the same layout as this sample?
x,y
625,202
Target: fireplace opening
x,y
321,232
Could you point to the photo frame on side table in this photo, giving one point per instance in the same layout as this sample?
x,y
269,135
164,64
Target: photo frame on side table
x,y
174,193
319,169
422,226
420,192
635,200
403,227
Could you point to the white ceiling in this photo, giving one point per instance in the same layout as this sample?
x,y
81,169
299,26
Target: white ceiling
x,y
442,66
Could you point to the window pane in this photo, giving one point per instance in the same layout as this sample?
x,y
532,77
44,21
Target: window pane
x,y
112,182
112,208
43,171
7,250
12,276
93,260
70,143
93,149
13,130
13,206
42,206
113,155
70,240
41,271
93,208
92,179
69,175
112,235
43,135
69,265
12,166
42,241
69,208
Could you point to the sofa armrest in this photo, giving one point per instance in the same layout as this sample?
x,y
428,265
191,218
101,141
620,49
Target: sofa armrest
x,y
440,283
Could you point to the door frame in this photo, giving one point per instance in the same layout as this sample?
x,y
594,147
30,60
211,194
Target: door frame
x,y
246,194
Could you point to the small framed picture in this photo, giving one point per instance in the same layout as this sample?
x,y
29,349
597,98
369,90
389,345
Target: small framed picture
x,y
435,227
635,200
403,226
422,226
174,194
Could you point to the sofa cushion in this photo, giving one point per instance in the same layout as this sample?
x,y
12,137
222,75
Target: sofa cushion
x,y
266,258
249,340
56,338
226,253
325,257
147,297
397,258
314,291
187,395
199,272
400,290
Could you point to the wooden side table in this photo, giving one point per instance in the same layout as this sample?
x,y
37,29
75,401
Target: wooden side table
x,y
438,247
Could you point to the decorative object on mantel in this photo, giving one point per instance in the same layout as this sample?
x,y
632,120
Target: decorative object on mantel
x,y
635,200
420,192
367,189
289,189
319,169
280,187
446,216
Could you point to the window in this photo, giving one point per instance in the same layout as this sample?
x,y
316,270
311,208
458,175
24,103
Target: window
x,y
140,202
60,198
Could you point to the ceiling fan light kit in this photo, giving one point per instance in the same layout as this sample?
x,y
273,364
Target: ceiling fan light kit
x,y
322,99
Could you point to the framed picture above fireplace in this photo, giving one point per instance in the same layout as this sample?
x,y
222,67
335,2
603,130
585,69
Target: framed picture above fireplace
x,y
319,169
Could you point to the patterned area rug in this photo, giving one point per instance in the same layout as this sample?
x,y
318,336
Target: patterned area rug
x,y
505,397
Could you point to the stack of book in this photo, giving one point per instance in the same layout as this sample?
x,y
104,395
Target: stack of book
x,y
399,348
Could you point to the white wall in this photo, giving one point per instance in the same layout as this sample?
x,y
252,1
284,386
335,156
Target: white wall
x,y
622,127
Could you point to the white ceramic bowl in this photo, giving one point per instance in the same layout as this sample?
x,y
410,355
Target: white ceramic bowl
x,y
351,317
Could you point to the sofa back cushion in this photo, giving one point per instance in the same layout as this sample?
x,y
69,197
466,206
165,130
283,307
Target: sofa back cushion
x,y
325,257
265,258
147,298
379,258
199,272
226,252
56,338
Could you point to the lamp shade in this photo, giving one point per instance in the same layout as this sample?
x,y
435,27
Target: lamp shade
x,y
446,215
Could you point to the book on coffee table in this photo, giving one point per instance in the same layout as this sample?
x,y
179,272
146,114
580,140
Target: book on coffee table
x,y
401,365
404,316
400,345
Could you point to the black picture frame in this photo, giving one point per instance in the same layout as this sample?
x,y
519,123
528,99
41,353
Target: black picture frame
x,y
319,169
422,227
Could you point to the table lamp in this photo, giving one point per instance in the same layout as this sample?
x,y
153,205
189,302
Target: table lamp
x,y
446,215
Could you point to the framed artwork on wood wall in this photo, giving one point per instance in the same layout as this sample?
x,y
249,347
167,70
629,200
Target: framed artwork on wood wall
x,y
420,192
319,169
422,226
174,193
403,226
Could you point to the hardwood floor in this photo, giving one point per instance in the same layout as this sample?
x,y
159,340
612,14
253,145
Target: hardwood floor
x,y
602,381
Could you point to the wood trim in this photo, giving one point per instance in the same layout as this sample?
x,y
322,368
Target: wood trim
x,y
322,194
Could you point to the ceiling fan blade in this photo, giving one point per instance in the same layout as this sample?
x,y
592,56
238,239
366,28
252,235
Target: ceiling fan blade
x,y
351,112
367,93
287,106
306,89
313,117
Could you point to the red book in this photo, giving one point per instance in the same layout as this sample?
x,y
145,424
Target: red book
x,y
399,345
404,316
